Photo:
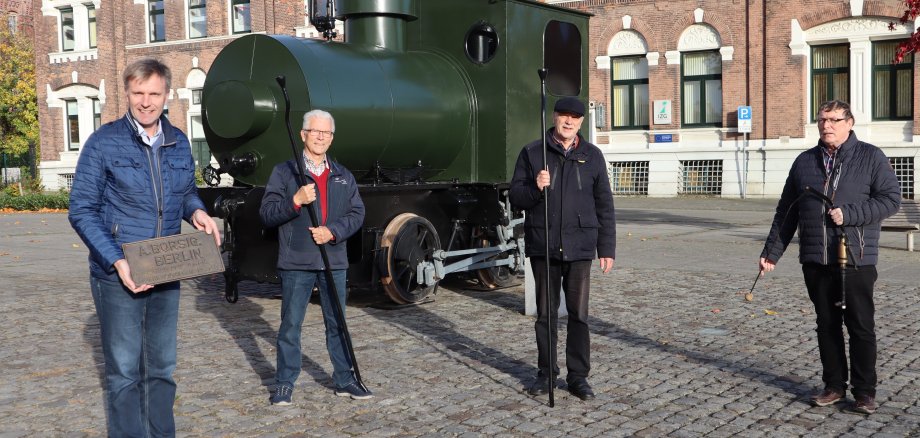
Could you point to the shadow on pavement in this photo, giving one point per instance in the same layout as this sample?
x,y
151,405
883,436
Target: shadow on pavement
x,y
598,327
242,321
417,319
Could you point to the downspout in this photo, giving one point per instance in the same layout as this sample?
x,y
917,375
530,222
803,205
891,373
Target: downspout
x,y
763,24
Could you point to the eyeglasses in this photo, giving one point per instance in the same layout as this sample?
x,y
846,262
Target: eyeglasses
x,y
317,132
830,121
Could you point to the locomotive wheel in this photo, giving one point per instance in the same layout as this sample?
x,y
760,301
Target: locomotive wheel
x,y
496,276
409,240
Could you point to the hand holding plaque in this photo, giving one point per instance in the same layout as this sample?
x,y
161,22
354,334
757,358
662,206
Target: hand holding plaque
x,y
172,258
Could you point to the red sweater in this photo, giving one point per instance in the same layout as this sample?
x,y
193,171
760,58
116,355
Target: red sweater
x,y
322,184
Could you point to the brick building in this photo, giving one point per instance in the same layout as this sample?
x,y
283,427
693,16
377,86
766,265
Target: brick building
x,y
18,15
82,46
668,76
666,80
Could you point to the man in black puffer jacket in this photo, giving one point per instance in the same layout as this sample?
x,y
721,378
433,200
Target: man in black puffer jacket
x,y
859,180
582,226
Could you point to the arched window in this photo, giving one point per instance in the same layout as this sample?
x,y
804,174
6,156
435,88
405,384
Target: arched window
x,y
628,81
700,76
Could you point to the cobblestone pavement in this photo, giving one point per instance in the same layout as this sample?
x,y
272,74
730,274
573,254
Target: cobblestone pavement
x,y
677,351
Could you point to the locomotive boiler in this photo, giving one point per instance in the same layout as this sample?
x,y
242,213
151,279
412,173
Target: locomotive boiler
x,y
432,99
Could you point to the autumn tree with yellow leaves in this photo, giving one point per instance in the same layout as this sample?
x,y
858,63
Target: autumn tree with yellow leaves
x,y
18,105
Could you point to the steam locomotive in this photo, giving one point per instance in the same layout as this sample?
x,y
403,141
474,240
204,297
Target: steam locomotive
x,y
433,100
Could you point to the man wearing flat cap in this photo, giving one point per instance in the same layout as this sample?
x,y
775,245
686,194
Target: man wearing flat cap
x,y
582,227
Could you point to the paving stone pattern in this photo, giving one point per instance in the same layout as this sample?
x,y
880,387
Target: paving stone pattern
x,y
676,349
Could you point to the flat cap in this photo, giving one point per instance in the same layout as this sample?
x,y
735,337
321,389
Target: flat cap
x,y
570,105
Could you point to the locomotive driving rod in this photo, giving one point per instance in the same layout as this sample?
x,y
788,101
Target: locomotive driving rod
x,y
302,179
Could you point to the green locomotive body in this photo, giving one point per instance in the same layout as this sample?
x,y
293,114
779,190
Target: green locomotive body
x,y
433,100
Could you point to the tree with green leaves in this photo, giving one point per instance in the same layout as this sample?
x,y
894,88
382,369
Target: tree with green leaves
x,y
18,104
912,45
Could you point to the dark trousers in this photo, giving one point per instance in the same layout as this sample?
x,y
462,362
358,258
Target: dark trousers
x,y
823,283
574,278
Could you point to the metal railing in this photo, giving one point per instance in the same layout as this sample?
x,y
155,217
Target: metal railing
x,y
628,177
700,177
904,170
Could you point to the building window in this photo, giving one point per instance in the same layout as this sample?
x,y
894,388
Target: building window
x,y
65,180
239,14
830,74
197,19
91,21
196,96
200,151
629,92
67,35
12,22
157,21
701,97
629,177
701,177
904,171
73,125
97,114
892,84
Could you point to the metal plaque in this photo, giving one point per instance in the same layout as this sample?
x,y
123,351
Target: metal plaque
x,y
178,257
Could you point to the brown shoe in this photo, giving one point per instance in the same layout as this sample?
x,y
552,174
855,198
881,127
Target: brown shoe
x,y
865,404
827,397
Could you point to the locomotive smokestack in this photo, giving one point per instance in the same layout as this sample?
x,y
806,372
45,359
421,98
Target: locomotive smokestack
x,y
377,23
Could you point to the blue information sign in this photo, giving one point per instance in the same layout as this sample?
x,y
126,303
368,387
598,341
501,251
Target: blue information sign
x,y
663,138
744,113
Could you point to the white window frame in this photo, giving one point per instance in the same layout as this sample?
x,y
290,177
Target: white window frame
x,y
188,21
230,26
82,51
85,96
859,32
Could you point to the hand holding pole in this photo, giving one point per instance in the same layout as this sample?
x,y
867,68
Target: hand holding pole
x,y
330,280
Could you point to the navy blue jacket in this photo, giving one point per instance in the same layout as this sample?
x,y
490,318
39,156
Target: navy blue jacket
x,y
867,191
297,250
582,223
116,197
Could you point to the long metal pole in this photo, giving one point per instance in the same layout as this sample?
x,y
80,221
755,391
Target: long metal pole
x,y
744,175
302,178
550,342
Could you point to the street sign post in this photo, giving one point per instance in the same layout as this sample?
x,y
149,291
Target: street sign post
x,y
745,124
744,119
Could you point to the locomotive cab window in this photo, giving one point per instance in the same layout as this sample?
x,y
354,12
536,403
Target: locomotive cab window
x,y
481,43
562,58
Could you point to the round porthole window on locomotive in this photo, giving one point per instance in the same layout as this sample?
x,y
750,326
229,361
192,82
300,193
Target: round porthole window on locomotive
x,y
481,43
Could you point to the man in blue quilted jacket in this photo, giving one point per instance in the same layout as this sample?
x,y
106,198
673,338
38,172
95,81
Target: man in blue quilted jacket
x,y
863,190
135,180
340,212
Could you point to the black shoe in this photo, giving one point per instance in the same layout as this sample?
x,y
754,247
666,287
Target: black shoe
x,y
580,388
539,387
827,397
865,404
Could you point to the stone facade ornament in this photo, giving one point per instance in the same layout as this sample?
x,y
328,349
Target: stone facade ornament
x,y
698,37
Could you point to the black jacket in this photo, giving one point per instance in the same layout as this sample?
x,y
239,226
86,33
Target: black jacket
x,y
867,191
297,250
582,223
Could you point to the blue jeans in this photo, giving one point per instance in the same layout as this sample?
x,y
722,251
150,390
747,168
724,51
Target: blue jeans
x,y
138,334
296,288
